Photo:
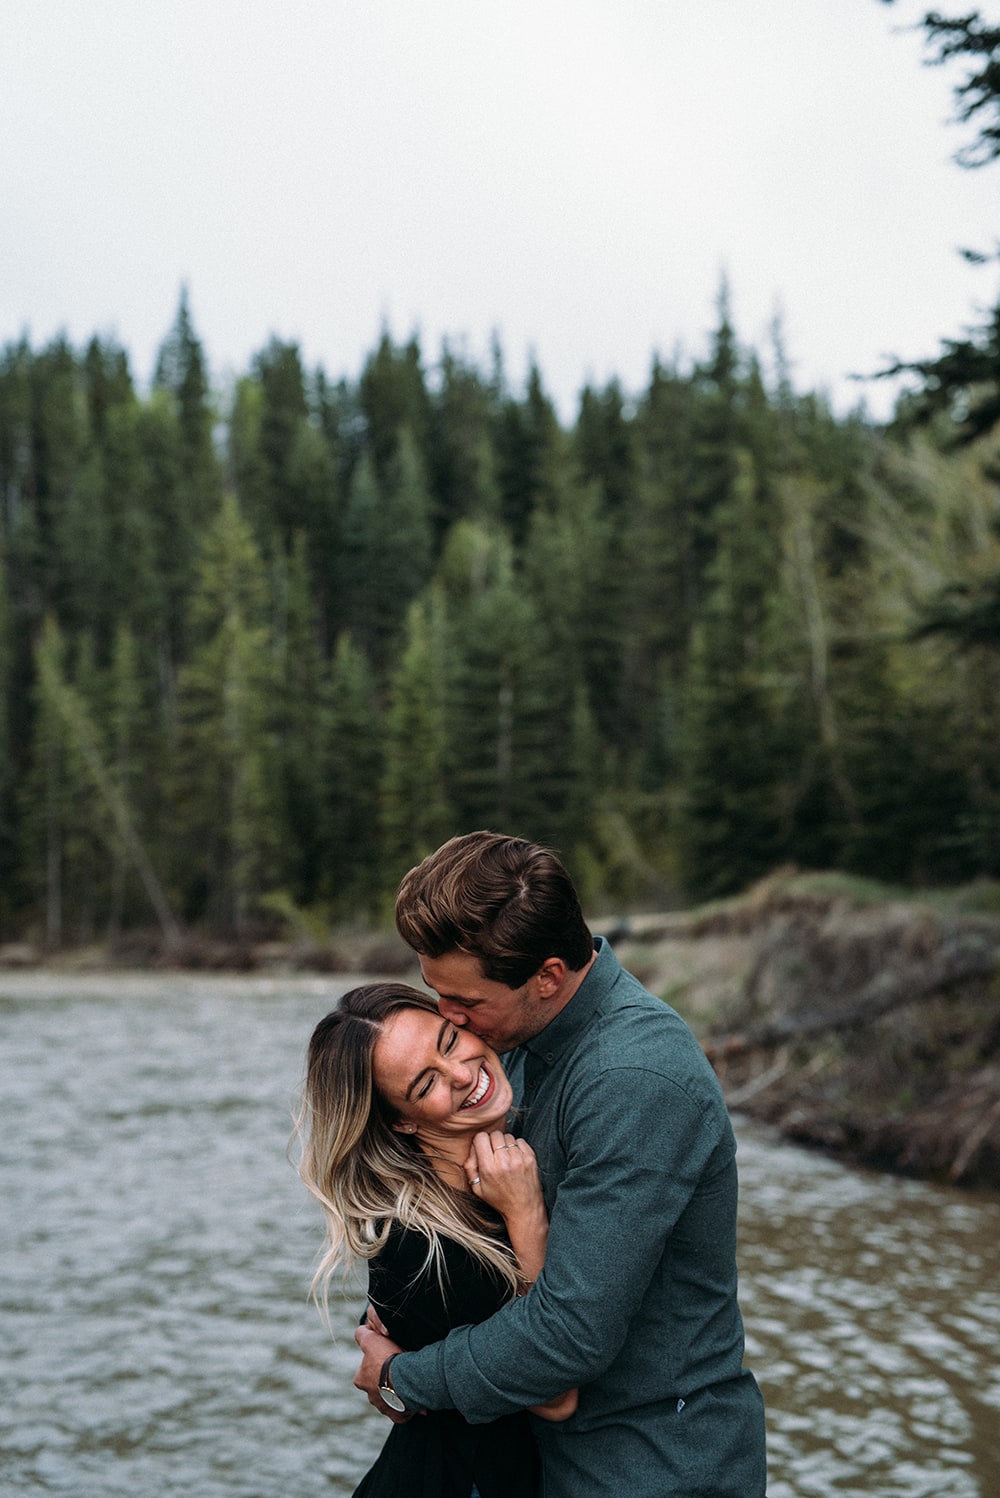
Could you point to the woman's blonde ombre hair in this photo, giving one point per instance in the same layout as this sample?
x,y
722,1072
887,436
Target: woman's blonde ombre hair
x,y
364,1173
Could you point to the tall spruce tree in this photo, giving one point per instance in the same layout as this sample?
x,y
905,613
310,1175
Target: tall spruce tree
x,y
387,549
503,743
462,466
417,812
734,765
67,826
529,444
225,776
283,413
393,396
297,726
352,765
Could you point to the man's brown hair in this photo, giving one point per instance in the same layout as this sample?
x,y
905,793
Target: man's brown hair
x,y
506,901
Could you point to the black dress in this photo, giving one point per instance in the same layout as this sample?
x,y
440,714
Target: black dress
x,y
440,1455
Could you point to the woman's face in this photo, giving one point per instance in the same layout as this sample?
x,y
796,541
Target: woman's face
x,y
437,1078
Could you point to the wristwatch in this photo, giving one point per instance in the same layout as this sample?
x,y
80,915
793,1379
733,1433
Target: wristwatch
x,y
388,1393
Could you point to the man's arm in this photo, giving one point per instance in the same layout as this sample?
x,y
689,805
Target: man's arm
x,y
638,1144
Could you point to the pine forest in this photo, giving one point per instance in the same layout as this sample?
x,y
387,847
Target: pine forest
x,y
261,650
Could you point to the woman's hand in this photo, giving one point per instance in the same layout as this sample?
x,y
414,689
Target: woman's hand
x,y
559,1408
503,1171
374,1321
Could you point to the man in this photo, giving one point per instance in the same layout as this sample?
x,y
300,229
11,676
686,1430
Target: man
x,y
636,1305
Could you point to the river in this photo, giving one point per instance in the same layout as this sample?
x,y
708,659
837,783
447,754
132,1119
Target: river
x,y
156,1249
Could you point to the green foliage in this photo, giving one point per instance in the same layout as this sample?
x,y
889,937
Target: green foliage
x,y
416,811
502,740
977,43
351,766
696,634
964,379
225,788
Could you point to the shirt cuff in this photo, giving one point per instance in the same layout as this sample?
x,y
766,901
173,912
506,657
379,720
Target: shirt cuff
x,y
419,1379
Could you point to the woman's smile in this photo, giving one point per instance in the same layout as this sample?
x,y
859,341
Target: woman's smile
x,y
483,1090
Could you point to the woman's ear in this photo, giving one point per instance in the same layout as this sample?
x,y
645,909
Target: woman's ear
x,y
403,1128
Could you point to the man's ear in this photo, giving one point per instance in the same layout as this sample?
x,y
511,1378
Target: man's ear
x,y
550,977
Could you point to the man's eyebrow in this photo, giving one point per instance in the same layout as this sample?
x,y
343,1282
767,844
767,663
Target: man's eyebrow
x,y
421,1074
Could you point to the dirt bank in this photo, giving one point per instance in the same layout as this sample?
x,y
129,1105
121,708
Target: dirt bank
x,y
864,1025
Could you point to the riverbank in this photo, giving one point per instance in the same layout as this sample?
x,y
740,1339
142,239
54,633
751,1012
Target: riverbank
x,y
860,1022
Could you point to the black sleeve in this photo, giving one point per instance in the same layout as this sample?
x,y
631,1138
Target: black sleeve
x,y
414,1306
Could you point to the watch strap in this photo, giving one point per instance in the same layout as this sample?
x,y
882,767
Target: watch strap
x,y
386,1389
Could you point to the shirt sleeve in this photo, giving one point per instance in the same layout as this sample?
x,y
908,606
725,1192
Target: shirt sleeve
x,y
638,1143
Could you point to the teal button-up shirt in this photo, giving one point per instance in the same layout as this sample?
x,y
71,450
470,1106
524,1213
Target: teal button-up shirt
x,y
636,1305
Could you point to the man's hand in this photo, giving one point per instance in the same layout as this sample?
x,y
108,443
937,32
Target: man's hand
x,y
375,1349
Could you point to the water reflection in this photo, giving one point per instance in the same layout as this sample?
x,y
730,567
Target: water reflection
x,y
873,1315
156,1251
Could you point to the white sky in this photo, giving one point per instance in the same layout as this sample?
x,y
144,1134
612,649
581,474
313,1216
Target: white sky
x,y
575,174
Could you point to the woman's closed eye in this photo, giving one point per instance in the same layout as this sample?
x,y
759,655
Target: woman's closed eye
x,y
448,1045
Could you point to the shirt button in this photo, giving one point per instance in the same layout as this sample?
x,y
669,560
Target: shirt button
x,y
550,1056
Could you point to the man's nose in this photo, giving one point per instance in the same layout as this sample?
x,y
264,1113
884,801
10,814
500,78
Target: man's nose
x,y
453,1012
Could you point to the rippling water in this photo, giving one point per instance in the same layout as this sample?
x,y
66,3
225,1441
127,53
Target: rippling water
x,y
156,1249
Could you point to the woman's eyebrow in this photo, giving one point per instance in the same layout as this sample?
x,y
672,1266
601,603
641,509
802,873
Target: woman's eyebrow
x,y
421,1074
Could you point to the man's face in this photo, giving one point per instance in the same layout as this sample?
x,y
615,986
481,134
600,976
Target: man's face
x,y
503,1017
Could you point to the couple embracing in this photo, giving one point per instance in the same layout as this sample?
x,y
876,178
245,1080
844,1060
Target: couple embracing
x,y
552,1240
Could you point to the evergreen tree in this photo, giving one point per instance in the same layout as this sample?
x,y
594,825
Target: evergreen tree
x,y
462,466
283,413
53,784
225,774
358,593
529,445
387,550
107,385
416,811
662,556
351,774
604,442
125,722
166,538
504,744
58,438
964,379
181,371
69,826
718,440
298,683
734,765
314,490
393,397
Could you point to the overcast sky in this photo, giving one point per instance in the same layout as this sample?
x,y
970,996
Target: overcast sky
x,y
574,174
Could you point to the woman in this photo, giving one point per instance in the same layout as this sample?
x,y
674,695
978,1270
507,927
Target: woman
x,y
406,1148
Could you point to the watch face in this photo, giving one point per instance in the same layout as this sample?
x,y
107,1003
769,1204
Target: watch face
x,y
392,1399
